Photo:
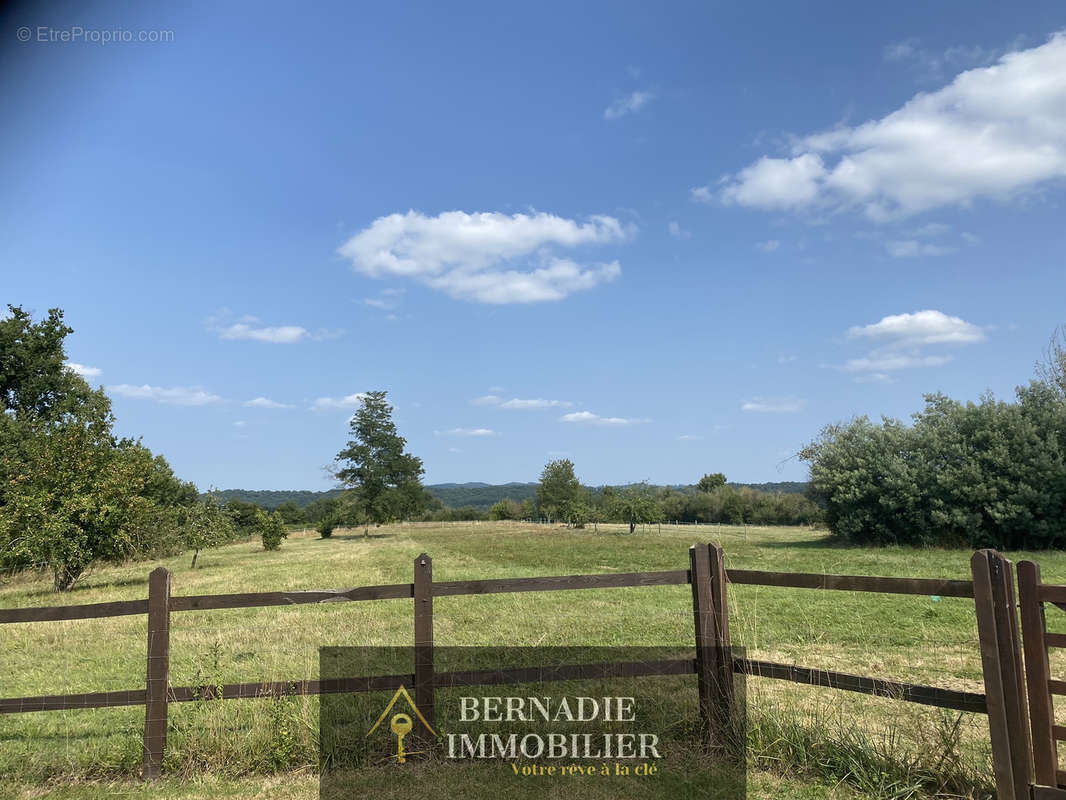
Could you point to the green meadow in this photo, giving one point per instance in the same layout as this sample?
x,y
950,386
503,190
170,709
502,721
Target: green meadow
x,y
803,742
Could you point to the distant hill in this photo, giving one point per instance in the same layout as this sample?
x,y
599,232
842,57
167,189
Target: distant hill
x,y
458,495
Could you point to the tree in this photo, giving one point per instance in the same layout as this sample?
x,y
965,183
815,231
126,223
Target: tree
x,y
386,481
708,483
206,524
559,488
291,513
505,509
1051,370
70,492
272,529
636,505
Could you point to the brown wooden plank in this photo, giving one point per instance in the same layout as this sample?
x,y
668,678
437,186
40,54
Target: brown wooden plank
x,y
1059,733
1051,593
117,608
248,691
1049,792
707,671
1011,648
561,583
908,692
1054,639
565,672
852,583
1056,686
1037,673
423,608
211,602
67,702
158,672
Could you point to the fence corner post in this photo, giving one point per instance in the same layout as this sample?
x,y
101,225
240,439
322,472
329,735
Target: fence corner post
x,y
424,677
158,673
997,633
714,659
1037,674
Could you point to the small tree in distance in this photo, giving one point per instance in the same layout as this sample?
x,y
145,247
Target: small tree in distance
x,y
708,483
273,530
385,480
559,488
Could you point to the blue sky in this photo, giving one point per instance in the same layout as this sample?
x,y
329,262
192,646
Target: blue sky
x,y
660,241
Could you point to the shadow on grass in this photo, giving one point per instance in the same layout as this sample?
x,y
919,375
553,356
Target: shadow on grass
x,y
87,585
356,536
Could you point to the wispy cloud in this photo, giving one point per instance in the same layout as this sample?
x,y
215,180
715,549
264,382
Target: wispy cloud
x,y
265,402
486,257
677,231
467,432
83,370
280,334
912,248
347,402
773,405
520,404
769,246
629,104
175,396
588,418
690,437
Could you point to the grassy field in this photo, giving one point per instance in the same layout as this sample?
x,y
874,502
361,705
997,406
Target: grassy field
x,y
803,742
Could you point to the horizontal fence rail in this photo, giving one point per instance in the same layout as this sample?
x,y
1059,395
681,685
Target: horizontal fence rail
x,y
710,613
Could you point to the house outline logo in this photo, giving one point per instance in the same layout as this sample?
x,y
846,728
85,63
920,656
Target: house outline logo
x,y
401,724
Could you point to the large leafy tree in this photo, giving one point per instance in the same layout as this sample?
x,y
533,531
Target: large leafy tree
x,y
708,483
70,492
385,480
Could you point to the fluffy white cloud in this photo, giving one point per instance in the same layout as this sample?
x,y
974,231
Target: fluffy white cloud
x,y
773,405
265,402
175,396
347,402
281,334
588,418
991,133
631,103
477,256
84,371
919,328
900,341
467,432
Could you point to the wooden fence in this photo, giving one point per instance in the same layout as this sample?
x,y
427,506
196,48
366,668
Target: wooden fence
x,y
714,664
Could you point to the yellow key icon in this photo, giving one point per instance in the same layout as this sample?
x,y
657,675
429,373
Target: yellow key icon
x,y
401,725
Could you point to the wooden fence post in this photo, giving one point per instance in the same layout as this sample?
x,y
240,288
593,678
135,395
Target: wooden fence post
x,y
157,683
423,594
714,660
997,631
1037,674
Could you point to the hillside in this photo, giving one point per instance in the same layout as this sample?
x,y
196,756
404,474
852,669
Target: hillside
x,y
458,495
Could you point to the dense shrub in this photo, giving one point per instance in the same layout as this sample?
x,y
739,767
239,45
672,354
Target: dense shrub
x,y
325,527
987,474
272,529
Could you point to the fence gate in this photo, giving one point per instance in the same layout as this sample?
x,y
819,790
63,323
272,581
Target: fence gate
x,y
1041,687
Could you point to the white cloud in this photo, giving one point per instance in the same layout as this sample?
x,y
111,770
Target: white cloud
x,y
486,257
454,450
631,103
347,402
991,133
240,423
588,418
890,362
911,248
281,334
901,340
773,405
677,231
175,396
919,328
467,432
937,65
84,371
701,194
379,303
931,229
265,402
768,246
487,400
689,437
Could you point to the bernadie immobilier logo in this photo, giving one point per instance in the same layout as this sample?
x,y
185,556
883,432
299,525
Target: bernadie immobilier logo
x,y
566,751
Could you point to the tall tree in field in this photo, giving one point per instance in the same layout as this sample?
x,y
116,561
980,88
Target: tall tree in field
x,y
559,489
386,481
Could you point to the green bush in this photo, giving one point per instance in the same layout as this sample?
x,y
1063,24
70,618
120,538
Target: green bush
x,y
272,529
325,527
